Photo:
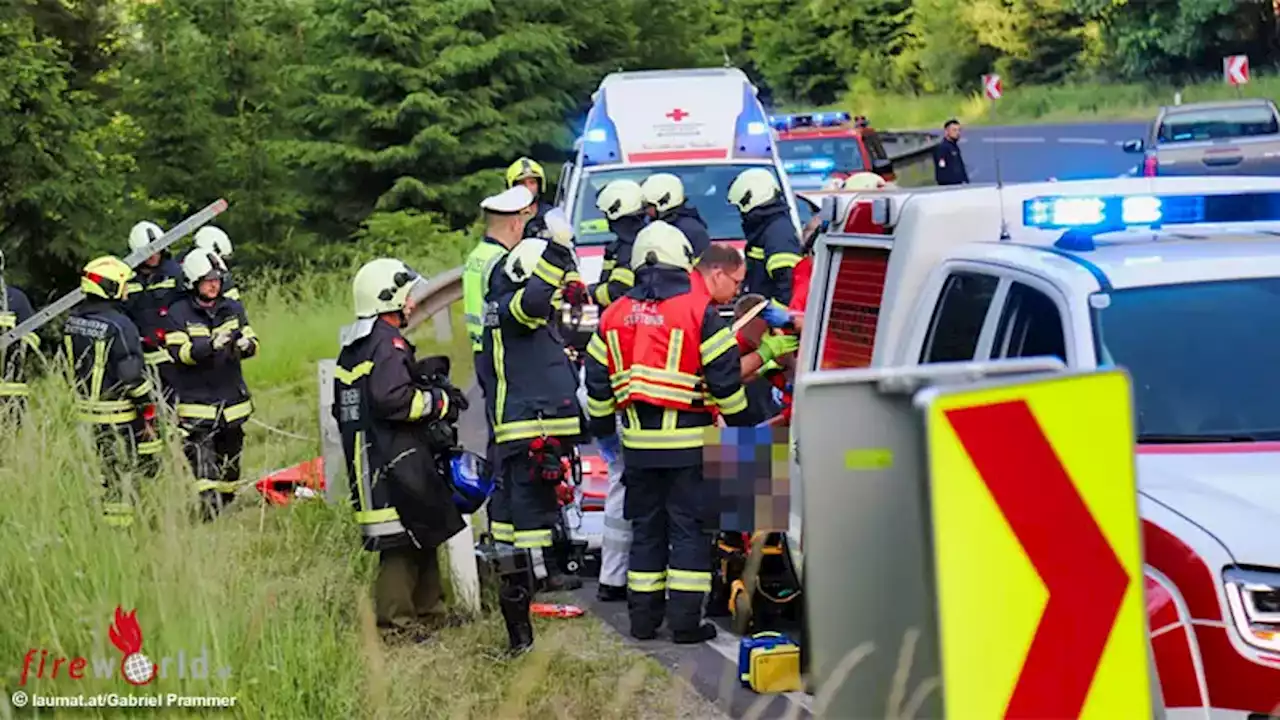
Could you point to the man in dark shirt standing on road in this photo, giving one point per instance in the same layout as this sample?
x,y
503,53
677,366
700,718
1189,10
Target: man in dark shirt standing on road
x,y
948,165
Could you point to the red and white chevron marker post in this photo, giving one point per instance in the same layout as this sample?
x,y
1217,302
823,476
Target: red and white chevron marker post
x,y
1235,68
992,88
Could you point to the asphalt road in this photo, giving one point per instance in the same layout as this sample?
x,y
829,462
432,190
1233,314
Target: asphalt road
x,y
1030,153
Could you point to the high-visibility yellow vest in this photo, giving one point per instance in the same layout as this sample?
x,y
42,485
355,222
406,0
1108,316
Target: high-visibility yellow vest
x,y
475,284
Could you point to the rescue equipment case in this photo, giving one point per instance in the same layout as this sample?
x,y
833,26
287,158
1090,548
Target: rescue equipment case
x,y
769,662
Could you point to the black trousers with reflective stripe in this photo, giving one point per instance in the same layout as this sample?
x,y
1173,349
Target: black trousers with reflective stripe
x,y
122,468
670,544
535,509
213,450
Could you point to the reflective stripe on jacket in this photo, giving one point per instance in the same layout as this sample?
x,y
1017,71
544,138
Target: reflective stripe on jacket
x,y
475,281
665,358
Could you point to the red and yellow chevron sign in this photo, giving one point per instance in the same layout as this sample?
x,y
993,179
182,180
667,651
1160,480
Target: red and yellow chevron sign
x,y
1037,550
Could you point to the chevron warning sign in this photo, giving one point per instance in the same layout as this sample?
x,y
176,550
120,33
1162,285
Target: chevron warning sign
x,y
1037,550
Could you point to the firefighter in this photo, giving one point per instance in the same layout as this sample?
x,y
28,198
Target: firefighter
x,y
13,359
395,418
622,203
209,334
529,173
664,192
113,393
153,288
213,239
534,408
665,359
773,248
505,216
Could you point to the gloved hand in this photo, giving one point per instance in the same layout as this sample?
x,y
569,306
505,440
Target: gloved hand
x,y
610,447
445,407
775,346
559,230
221,340
775,316
575,293
243,343
457,398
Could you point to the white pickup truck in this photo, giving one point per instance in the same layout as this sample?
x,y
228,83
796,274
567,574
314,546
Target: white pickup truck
x,y
1175,279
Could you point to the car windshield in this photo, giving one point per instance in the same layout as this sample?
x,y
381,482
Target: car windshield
x,y
820,155
706,188
1202,356
1230,122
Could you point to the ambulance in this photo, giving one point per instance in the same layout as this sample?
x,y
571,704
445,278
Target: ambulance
x,y
704,125
1177,280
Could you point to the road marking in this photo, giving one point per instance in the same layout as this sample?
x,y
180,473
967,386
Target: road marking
x,y
1083,141
727,645
1004,140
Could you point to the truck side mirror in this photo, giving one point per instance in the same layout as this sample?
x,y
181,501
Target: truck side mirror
x,y
1133,146
882,166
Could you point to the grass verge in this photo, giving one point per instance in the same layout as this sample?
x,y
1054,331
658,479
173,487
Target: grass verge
x,y
1044,104
267,604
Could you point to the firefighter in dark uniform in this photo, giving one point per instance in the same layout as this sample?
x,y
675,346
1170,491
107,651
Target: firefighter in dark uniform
x,y
113,393
622,204
664,192
14,359
505,216
153,288
773,246
534,407
209,334
529,173
394,419
665,359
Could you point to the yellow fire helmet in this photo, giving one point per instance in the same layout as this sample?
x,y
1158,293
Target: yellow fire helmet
x,y
106,277
753,188
525,168
382,286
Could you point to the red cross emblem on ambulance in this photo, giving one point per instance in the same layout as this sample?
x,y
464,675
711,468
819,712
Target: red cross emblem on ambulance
x,y
677,115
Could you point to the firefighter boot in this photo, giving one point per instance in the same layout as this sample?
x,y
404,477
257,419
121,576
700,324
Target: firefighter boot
x,y
514,601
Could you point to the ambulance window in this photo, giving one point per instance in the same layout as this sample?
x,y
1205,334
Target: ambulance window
x,y
958,318
1030,326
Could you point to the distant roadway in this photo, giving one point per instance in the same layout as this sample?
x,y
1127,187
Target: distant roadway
x,y
1029,153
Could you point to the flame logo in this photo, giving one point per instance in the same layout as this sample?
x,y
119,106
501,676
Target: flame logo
x,y
125,633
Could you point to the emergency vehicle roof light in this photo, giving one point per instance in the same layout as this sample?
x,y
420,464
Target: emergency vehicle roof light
x,y
809,120
751,133
1101,214
600,139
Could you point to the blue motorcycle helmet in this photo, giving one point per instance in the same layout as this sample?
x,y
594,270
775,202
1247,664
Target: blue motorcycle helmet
x,y
472,481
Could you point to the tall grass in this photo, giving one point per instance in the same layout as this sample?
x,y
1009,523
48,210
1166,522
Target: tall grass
x,y
278,596
1057,103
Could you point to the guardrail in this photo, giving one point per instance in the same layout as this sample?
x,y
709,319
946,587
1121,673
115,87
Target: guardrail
x,y
907,145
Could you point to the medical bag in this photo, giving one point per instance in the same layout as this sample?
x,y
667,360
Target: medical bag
x,y
769,662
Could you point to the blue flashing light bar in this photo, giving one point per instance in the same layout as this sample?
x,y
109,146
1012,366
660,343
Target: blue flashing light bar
x,y
751,137
1105,214
600,144
809,120
810,165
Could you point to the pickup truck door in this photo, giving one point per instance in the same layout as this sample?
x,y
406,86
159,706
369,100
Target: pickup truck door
x,y
962,313
1033,322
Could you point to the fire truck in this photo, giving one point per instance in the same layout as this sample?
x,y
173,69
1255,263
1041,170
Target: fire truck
x,y
704,125
1176,280
819,146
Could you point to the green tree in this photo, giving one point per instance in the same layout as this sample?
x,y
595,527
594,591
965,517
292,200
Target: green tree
x,y
422,104
64,162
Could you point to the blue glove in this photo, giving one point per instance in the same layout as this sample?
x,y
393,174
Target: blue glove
x,y
609,446
776,316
